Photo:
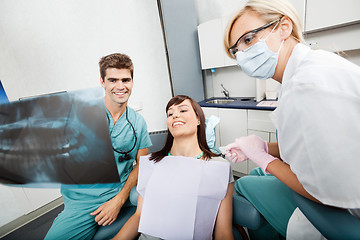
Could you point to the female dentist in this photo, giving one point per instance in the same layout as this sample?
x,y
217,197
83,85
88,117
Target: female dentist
x,y
317,118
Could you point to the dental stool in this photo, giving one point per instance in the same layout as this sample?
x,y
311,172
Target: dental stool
x,y
331,222
245,215
108,232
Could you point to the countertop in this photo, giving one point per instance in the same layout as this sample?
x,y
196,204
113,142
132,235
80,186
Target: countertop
x,y
241,103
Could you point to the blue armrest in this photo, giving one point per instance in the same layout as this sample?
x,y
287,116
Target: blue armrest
x,y
332,222
245,214
133,198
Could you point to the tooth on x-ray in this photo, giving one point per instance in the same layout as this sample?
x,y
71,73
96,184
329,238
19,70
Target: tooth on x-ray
x,y
56,138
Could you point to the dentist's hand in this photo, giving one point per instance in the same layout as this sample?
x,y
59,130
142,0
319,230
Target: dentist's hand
x,y
256,149
233,153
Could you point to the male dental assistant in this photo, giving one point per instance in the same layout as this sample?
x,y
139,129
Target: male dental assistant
x,y
88,207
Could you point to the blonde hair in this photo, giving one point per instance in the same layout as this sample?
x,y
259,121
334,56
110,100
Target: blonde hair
x,y
269,10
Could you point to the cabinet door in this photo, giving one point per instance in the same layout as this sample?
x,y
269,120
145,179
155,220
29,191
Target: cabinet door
x,y
211,43
323,14
233,124
260,120
210,40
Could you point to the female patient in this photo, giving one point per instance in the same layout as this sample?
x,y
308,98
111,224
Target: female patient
x,y
185,189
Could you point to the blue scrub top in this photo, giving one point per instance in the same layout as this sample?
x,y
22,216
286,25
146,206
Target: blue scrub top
x,y
122,138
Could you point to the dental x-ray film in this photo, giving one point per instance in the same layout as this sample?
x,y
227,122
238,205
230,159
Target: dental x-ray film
x,y
56,138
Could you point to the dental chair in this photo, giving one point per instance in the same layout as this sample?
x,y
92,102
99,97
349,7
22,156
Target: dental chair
x,y
245,215
332,223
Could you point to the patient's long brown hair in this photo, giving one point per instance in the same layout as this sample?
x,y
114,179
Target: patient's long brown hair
x,y
201,135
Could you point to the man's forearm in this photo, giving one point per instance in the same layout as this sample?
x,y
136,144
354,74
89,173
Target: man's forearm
x,y
129,184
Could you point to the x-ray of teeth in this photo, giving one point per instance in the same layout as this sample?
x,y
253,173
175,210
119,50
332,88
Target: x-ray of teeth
x,y
56,138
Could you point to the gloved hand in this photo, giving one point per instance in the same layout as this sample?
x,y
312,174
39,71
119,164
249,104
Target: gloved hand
x,y
233,153
254,148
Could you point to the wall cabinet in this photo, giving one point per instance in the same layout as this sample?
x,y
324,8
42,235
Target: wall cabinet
x,y
211,43
322,14
333,26
235,123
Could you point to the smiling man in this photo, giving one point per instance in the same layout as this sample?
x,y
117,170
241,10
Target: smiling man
x,y
88,207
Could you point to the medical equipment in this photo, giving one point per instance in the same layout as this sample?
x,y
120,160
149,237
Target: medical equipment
x,y
126,156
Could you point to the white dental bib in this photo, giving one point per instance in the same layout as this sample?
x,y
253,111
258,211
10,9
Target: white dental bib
x,y
181,196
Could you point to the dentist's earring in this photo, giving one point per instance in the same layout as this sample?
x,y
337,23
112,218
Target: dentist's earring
x,y
198,122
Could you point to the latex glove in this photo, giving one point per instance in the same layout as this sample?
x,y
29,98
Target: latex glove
x,y
256,149
233,153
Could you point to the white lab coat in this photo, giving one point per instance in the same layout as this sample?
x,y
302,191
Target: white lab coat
x,y
317,119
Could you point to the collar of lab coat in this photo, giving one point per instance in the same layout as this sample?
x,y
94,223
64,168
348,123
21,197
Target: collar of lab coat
x,y
299,52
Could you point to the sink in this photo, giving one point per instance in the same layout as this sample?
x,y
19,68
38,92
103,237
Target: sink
x,y
220,101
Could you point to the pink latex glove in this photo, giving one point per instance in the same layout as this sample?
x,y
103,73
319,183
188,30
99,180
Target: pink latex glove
x,y
233,153
256,149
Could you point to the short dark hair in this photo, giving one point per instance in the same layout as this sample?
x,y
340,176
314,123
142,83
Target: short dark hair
x,y
115,60
201,135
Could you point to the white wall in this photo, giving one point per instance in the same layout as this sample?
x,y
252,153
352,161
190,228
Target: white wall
x,y
49,46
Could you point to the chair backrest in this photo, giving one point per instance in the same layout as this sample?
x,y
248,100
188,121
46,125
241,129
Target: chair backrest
x,y
332,222
210,130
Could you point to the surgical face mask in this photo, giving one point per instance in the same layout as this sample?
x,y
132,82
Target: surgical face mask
x,y
258,60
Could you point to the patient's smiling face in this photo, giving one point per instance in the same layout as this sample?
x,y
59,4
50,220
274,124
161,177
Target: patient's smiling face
x,y
182,120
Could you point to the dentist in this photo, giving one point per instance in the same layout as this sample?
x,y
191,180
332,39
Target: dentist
x,y
317,118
